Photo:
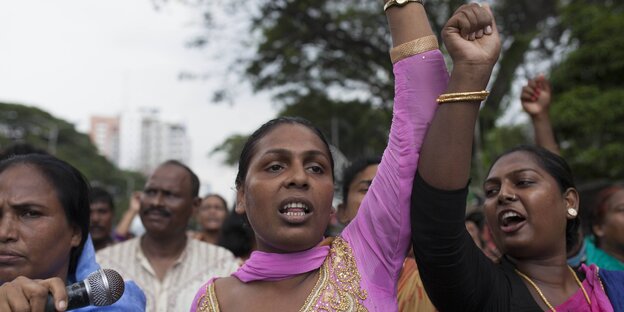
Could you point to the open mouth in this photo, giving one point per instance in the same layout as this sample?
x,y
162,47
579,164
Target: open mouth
x,y
295,209
510,221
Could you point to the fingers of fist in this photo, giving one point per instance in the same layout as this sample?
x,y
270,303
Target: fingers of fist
x,y
473,21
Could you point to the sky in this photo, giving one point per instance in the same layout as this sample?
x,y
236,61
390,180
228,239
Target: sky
x,y
78,58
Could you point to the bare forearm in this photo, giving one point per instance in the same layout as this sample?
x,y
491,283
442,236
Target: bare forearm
x,y
544,135
408,23
447,149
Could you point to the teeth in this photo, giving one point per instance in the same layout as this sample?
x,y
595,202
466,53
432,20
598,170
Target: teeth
x,y
295,214
510,214
297,206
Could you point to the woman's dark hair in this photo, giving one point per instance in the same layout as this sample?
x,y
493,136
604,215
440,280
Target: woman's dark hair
x,y
248,150
219,197
557,168
236,235
72,190
354,169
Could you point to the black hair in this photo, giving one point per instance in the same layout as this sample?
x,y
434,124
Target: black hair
x,y
248,148
557,168
192,175
354,169
219,197
236,234
20,149
478,218
72,190
101,195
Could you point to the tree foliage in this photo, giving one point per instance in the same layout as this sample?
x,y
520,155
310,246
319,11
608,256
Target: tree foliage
x,y
308,50
23,124
589,90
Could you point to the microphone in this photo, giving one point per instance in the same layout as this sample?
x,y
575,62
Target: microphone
x,y
100,288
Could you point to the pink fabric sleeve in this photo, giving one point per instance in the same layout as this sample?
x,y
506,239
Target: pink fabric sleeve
x,y
380,233
200,293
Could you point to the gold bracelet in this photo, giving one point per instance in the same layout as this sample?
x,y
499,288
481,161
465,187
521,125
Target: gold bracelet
x,y
462,97
413,47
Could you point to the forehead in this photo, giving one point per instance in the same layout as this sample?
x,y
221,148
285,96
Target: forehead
x,y
617,198
99,205
170,177
514,162
292,137
24,177
212,200
24,181
367,174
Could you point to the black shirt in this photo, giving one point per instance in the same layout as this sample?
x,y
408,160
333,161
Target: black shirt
x,y
456,274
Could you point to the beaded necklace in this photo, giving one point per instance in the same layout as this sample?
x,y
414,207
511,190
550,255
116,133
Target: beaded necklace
x,y
541,294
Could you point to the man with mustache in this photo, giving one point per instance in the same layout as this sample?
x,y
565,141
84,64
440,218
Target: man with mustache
x,y
166,264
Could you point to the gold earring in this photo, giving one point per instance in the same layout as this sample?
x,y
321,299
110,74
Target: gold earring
x,y
572,212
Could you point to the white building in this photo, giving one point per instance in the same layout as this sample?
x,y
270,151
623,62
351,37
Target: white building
x,y
145,141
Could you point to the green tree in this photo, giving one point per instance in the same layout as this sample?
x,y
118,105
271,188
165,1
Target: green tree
x,y
24,124
338,51
589,90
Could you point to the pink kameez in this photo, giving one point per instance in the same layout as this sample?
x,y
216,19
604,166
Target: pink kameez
x,y
360,270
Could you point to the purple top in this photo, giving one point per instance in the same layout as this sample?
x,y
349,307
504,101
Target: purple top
x,y
379,235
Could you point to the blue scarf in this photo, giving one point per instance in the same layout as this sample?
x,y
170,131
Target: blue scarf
x,y
613,282
133,298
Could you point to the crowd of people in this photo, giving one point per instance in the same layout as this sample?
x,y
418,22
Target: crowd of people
x,y
407,242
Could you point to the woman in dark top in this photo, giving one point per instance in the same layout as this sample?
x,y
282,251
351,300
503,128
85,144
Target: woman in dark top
x,y
531,207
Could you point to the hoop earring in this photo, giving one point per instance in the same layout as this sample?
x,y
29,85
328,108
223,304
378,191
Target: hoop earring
x,y
572,212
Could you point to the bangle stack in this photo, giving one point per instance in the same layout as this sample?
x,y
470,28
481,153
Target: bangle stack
x,y
462,97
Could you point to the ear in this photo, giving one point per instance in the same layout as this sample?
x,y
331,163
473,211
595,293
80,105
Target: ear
x,y
332,212
571,198
598,231
76,236
241,204
340,214
196,203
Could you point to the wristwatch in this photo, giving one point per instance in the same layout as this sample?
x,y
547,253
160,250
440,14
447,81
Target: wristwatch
x,y
399,3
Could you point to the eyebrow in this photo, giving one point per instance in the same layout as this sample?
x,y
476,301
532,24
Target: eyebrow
x,y
25,205
490,180
285,152
366,182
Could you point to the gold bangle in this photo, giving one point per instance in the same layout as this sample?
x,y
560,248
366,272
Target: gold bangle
x,y
462,97
413,47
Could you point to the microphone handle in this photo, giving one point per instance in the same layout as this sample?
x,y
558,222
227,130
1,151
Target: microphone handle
x,y
77,297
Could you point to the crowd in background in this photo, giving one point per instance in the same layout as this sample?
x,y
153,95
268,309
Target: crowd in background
x,y
392,258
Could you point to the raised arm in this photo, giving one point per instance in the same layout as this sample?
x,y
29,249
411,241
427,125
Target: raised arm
x,y
407,23
472,40
454,271
536,97
380,233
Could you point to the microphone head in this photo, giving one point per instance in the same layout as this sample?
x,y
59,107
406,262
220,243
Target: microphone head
x,y
105,287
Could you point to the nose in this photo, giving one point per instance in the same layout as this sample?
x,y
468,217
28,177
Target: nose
x,y
156,199
8,228
298,178
506,195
